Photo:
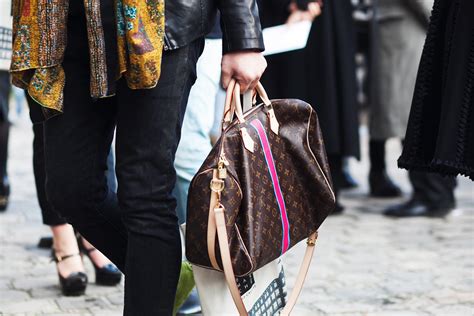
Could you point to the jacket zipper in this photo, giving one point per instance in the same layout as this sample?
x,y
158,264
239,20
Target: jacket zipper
x,y
167,45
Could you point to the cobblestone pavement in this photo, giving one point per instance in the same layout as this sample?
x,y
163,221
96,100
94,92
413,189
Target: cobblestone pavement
x,y
364,264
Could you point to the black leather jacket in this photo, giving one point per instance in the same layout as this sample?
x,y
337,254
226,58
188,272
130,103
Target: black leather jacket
x,y
187,20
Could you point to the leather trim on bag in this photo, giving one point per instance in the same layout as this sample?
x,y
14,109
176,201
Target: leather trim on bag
x,y
317,162
245,251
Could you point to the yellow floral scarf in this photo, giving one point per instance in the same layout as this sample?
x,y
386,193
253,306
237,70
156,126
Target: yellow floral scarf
x,y
39,42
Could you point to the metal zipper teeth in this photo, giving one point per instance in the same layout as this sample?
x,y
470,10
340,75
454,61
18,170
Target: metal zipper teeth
x,y
167,45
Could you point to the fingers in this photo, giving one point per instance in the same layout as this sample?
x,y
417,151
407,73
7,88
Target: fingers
x,y
292,7
245,84
253,84
314,8
226,77
248,81
245,67
294,17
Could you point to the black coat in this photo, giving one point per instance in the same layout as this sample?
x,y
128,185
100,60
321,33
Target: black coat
x,y
322,74
440,134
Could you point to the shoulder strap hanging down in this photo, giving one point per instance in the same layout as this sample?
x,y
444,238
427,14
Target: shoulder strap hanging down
x,y
217,223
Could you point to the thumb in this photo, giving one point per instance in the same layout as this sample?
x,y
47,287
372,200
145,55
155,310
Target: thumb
x,y
226,76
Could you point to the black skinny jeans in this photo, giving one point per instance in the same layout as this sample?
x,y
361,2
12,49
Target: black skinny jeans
x,y
49,215
137,228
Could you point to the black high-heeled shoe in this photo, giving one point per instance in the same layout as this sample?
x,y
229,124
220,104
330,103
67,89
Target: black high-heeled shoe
x,y
75,283
108,275
4,195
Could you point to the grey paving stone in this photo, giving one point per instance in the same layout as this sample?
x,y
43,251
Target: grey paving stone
x,y
116,298
344,307
36,282
48,291
35,306
397,313
83,303
453,310
13,296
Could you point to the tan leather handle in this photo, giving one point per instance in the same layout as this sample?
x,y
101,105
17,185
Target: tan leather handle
x,y
233,105
229,271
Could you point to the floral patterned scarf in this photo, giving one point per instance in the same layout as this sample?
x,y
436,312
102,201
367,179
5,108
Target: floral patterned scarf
x,y
39,43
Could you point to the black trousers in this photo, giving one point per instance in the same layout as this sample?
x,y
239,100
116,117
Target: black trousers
x,y
433,189
50,216
137,228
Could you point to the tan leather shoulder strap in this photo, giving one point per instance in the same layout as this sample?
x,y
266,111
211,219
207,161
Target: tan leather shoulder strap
x,y
226,262
211,226
301,275
229,271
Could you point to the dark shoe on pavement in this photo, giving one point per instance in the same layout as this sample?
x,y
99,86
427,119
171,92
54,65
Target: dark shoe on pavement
x,y
75,283
417,208
45,243
382,186
191,306
107,275
4,194
347,181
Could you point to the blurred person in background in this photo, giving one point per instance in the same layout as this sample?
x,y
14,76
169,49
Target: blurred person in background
x,y
66,253
399,36
440,134
322,74
5,88
68,247
363,15
372,65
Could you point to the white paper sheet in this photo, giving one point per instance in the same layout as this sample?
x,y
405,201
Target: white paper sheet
x,y
285,38
5,17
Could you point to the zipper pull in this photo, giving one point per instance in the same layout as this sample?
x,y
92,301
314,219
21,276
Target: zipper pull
x,y
224,160
221,167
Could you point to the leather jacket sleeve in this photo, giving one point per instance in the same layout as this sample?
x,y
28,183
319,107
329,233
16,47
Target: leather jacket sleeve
x,y
240,25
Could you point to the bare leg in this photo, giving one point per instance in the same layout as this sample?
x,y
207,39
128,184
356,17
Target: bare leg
x,y
65,244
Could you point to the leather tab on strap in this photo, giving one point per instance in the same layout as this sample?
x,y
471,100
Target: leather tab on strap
x,y
211,224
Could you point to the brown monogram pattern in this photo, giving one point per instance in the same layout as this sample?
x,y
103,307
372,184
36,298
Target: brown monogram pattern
x,y
252,214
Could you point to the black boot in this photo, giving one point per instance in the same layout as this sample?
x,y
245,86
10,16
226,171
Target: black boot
x,y
382,186
380,183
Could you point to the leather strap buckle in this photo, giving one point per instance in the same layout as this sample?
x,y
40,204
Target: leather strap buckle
x,y
217,185
311,241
